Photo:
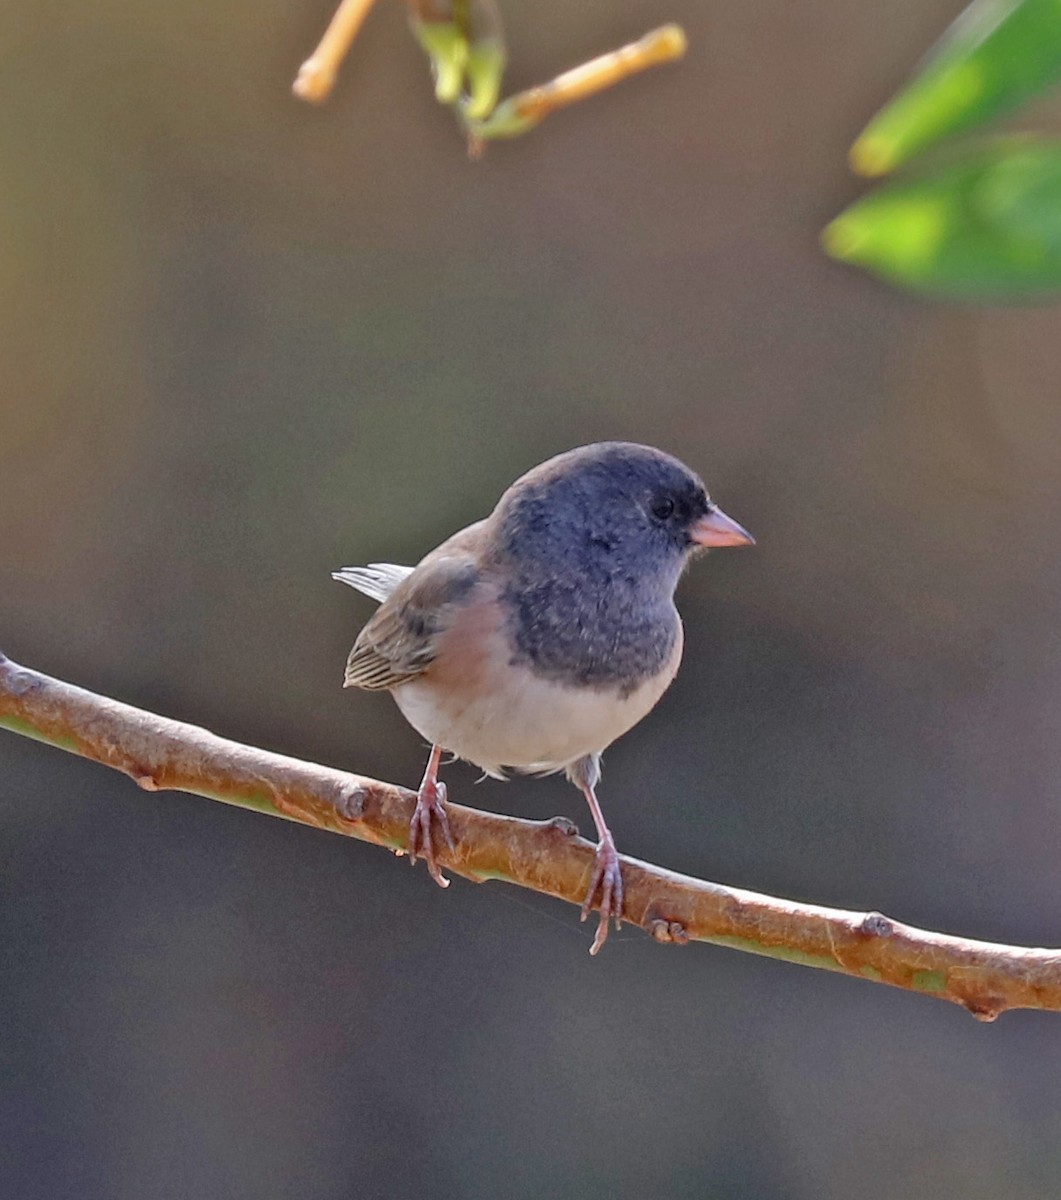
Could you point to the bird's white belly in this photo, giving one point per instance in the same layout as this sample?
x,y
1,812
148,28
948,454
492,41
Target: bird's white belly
x,y
522,721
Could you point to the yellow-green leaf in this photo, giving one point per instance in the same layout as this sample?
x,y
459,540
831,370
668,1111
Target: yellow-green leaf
x,y
981,224
994,56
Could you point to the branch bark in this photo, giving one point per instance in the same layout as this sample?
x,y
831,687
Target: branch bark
x,y
546,856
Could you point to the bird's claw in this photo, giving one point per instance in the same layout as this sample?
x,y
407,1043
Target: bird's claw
x,y
607,878
430,803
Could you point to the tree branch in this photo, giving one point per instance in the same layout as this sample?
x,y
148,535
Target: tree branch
x,y
546,856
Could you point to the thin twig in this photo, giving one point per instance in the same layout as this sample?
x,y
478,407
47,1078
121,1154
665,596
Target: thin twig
x,y
520,113
317,75
545,856
661,45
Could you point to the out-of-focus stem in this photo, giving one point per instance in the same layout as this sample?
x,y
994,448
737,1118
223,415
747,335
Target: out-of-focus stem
x,y
317,75
523,111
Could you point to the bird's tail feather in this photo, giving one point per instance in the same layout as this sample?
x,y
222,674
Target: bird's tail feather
x,y
377,580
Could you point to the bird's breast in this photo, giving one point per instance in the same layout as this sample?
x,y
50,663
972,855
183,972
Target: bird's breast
x,y
484,702
610,633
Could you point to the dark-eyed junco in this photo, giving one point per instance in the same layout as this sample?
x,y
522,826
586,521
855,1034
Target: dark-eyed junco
x,y
535,638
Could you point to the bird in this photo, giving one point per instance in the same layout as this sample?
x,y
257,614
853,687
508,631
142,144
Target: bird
x,y
533,639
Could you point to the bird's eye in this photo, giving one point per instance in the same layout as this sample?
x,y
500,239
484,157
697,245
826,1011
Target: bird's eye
x,y
663,509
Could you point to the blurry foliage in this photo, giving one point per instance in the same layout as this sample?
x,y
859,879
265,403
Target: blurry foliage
x,y
986,225
466,46
993,58
465,43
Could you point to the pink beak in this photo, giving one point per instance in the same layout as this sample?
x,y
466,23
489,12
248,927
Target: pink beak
x,y
714,528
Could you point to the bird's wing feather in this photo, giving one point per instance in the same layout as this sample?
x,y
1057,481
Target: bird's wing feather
x,y
377,580
400,641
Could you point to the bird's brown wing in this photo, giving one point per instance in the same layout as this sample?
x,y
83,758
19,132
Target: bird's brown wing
x,y
400,641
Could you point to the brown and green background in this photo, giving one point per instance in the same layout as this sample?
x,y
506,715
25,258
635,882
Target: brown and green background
x,y
246,342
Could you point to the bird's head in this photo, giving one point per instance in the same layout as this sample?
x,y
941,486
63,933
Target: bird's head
x,y
612,509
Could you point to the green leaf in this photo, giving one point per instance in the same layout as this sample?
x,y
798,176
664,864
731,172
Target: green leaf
x,y
465,42
445,44
982,224
994,56
486,66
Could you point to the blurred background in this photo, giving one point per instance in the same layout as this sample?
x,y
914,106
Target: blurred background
x,y
246,342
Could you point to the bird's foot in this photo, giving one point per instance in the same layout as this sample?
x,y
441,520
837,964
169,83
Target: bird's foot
x,y
607,879
430,805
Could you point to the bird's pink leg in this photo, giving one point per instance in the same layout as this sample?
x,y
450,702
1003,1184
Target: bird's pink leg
x,y
430,801
607,878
